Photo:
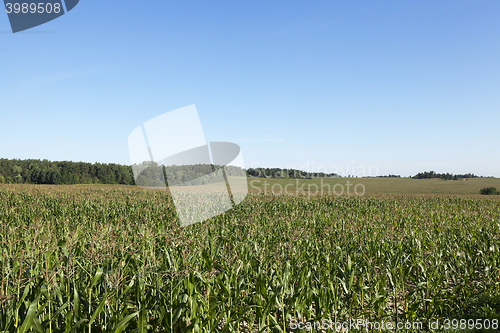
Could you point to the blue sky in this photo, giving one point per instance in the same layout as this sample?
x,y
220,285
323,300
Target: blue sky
x,y
398,86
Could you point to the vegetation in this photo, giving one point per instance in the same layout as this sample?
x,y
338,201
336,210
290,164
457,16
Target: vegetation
x,y
445,176
60,173
285,173
152,174
111,259
46,172
374,185
489,191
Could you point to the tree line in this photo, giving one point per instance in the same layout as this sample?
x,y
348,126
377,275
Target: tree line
x,y
63,172
445,176
285,173
151,174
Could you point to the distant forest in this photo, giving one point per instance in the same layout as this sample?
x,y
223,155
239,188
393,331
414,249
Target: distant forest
x,y
47,172
285,173
65,172
445,176
59,173
152,174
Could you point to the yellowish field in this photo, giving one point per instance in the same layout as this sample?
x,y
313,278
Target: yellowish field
x,y
373,186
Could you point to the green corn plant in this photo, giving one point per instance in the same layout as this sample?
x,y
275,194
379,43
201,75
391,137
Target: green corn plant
x,y
105,259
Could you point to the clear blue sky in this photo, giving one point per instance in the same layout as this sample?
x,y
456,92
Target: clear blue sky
x,y
403,86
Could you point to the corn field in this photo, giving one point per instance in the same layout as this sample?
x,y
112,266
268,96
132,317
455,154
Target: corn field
x,y
110,259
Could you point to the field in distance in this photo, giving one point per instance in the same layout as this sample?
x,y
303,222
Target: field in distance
x,y
334,186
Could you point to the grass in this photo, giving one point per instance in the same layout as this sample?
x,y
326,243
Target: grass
x,y
114,259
